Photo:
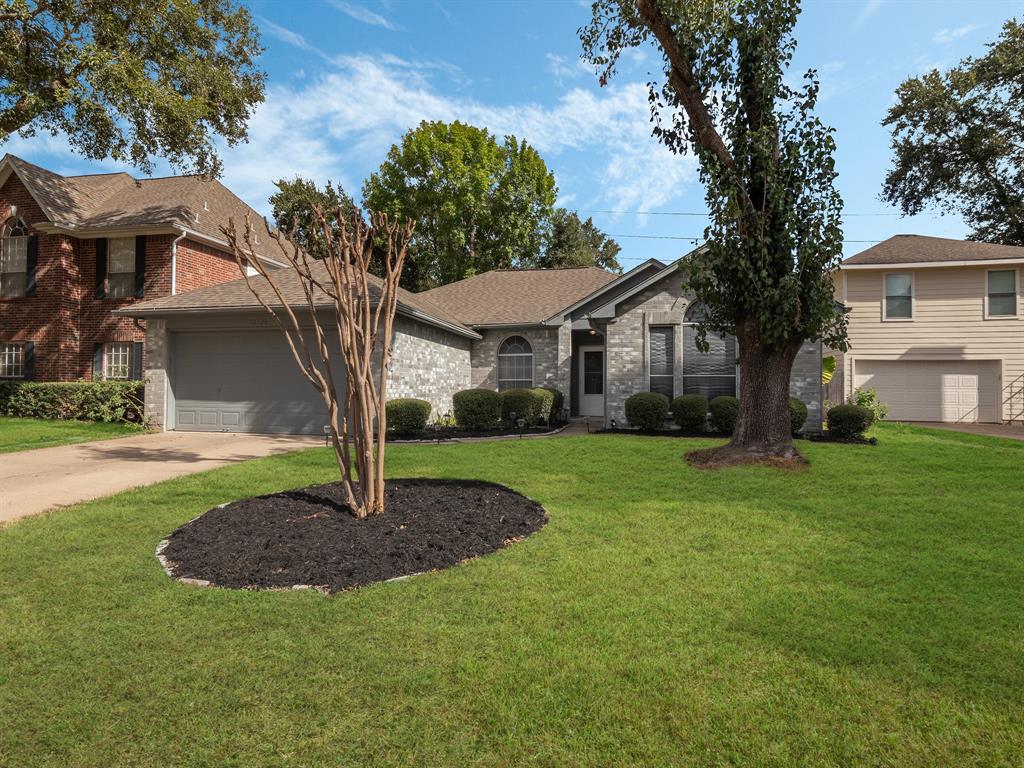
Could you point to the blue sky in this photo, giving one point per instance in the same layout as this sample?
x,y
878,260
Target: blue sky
x,y
347,78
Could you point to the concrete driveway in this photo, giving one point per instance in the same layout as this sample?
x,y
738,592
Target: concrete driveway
x,y
35,481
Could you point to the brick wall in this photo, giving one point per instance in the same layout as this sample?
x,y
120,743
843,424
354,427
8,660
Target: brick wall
x,y
428,363
64,318
549,369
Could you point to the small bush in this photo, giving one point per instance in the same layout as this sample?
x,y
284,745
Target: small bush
x,y
868,398
524,403
647,410
690,412
477,408
109,401
797,415
407,416
848,421
724,410
545,404
559,401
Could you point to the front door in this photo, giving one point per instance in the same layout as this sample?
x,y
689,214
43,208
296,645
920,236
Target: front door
x,y
591,381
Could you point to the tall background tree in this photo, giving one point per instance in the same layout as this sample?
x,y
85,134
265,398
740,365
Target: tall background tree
x,y
294,204
572,242
766,163
130,79
958,141
477,204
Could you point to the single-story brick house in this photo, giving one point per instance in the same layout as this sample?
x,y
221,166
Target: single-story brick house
x,y
216,361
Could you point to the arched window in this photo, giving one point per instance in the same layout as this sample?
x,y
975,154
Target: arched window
x,y
515,364
14,258
710,373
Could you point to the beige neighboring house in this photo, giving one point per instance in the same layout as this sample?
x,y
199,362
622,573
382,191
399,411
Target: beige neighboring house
x,y
936,326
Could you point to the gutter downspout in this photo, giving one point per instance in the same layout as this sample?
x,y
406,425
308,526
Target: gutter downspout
x,y
174,262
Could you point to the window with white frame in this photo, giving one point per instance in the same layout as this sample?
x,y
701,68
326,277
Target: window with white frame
x,y
12,360
899,296
713,372
515,364
117,360
121,267
1001,295
662,365
14,259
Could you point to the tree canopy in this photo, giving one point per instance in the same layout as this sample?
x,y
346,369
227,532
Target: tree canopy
x,y
293,205
572,242
131,79
958,141
478,204
766,163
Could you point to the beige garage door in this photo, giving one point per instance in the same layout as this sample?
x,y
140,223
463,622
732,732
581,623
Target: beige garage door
x,y
930,390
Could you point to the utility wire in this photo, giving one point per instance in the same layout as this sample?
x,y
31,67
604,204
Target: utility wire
x,y
691,213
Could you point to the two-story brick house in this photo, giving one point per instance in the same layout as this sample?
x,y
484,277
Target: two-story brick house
x,y
936,327
73,249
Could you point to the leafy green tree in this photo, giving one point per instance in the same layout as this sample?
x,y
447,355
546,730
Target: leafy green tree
x,y
130,79
572,242
478,205
766,163
958,141
293,205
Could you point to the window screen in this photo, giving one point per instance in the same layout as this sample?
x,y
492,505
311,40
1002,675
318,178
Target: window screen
x,y
663,342
899,297
117,360
515,364
14,259
1002,292
12,360
710,373
121,268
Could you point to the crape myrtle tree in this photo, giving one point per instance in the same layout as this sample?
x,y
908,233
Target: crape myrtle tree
x,y
332,308
958,141
130,79
766,163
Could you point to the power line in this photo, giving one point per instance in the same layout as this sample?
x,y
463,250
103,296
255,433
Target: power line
x,y
693,213
696,240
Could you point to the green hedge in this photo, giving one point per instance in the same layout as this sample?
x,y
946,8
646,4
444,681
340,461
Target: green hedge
x,y
111,401
646,410
477,408
724,410
797,414
545,404
690,412
559,401
407,416
524,403
846,421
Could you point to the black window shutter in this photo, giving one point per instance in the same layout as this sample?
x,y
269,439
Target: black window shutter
x,y
29,352
30,269
137,360
97,362
101,267
140,266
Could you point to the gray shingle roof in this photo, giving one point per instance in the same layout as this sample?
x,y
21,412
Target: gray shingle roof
x,y
911,249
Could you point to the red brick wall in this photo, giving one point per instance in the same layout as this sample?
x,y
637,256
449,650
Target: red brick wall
x,y
65,319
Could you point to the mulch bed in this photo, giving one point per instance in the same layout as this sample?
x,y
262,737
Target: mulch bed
x,y
825,437
308,537
454,433
660,433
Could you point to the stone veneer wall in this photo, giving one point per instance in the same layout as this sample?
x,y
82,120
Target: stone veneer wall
x,y
428,363
628,347
550,364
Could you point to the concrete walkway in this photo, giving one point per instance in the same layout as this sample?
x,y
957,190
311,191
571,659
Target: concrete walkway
x,y
1011,431
35,481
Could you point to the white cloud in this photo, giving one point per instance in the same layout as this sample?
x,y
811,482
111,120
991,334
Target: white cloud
x,y
342,124
564,68
869,9
363,14
949,35
286,35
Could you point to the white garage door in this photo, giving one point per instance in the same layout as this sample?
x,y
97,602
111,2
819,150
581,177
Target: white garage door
x,y
929,390
242,381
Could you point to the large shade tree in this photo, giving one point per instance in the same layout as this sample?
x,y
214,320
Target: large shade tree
x,y
130,79
294,205
766,162
958,141
574,242
478,204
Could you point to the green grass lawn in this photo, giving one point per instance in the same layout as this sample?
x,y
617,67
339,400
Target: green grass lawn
x,y
866,611
25,434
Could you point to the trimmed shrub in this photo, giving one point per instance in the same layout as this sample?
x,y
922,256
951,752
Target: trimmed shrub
x,y
477,408
847,421
797,415
647,410
559,401
110,401
868,398
524,403
545,404
407,415
724,410
690,412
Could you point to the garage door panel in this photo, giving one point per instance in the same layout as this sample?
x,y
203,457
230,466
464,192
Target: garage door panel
x,y
933,390
243,381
